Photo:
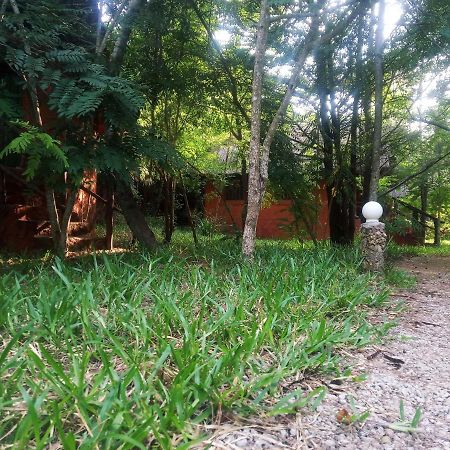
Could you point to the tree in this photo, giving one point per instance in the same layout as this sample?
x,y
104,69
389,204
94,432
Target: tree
x,y
260,148
378,120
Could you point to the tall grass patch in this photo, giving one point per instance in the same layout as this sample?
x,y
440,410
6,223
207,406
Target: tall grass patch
x,y
135,350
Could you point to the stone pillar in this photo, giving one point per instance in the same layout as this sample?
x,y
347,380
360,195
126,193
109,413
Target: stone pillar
x,y
373,237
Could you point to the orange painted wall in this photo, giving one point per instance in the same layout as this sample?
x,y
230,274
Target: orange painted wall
x,y
275,221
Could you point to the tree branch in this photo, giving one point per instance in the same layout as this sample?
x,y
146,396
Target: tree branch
x,y
432,122
297,16
414,175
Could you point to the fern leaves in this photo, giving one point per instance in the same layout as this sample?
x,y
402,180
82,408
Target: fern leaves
x,y
37,146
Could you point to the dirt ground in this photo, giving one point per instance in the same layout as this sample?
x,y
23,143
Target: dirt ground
x,y
412,366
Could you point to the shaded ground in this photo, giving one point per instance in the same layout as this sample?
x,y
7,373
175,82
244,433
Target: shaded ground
x,y
413,365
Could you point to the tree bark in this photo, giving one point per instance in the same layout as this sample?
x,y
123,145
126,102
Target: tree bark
x,y
378,120
109,218
65,222
52,214
120,45
423,207
354,125
338,207
366,101
134,216
59,226
254,182
188,211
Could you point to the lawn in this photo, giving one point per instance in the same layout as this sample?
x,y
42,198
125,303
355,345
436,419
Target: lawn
x,y
135,350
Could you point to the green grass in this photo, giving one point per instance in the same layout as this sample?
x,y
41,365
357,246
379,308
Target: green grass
x,y
399,278
134,350
397,251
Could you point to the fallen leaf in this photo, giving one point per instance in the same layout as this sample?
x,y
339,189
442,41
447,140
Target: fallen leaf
x,y
344,417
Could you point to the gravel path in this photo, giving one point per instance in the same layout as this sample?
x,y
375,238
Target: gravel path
x,y
413,366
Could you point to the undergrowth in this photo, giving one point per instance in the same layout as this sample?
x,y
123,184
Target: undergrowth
x,y
136,350
397,251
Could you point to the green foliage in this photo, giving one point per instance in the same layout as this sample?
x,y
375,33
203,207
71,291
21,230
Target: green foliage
x,y
9,104
398,251
37,146
405,425
399,278
137,154
141,349
401,225
91,91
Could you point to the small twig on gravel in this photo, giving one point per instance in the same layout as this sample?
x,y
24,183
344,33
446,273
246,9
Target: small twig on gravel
x,y
396,362
374,355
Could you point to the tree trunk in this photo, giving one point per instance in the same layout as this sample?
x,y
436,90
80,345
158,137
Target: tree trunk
x,y
59,226
378,120
423,207
244,189
254,189
259,154
52,214
134,216
109,217
169,208
188,211
65,223
131,210
437,232
337,225
120,45
366,100
354,125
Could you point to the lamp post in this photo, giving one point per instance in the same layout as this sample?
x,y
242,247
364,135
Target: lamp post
x,y
373,237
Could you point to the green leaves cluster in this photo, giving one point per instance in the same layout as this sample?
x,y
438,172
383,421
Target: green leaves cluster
x,y
38,147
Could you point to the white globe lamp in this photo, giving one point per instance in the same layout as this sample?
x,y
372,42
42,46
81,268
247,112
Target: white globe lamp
x,y
372,211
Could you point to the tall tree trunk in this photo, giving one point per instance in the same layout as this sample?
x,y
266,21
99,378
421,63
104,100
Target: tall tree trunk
x,y
120,45
378,121
131,210
423,207
354,125
332,158
59,226
366,102
134,216
340,217
367,142
254,181
325,131
109,217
